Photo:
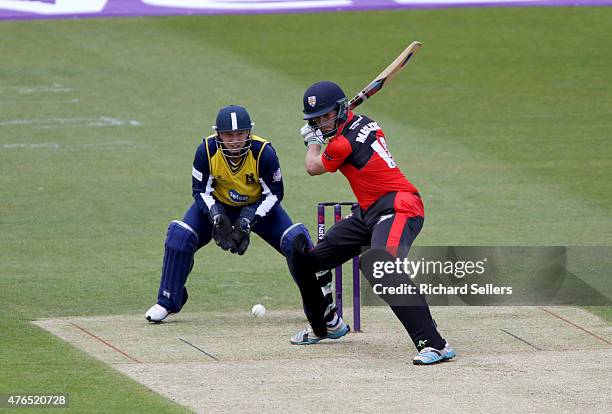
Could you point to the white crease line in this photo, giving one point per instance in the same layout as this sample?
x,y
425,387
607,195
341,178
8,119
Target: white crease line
x,y
42,145
94,145
42,100
99,122
55,88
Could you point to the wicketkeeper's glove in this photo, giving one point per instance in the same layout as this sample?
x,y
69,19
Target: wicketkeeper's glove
x,y
222,232
312,136
241,235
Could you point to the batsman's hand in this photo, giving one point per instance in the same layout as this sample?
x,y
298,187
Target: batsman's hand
x,y
312,136
222,232
241,235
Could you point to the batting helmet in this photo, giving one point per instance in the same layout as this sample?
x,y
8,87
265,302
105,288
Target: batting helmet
x,y
323,97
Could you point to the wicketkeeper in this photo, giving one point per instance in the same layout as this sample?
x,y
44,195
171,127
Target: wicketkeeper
x,y
237,188
388,218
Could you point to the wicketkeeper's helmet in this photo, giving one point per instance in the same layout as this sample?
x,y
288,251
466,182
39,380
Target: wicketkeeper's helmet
x,y
229,119
233,118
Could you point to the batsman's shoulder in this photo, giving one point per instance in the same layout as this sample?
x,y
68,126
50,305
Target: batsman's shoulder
x,y
356,123
360,127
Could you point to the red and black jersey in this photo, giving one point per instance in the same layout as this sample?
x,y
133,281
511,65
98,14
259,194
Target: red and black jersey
x,y
360,152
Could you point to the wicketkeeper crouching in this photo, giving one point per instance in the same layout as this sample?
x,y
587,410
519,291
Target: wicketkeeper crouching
x,y
237,188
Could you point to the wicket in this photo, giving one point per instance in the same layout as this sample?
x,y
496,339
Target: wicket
x,y
338,279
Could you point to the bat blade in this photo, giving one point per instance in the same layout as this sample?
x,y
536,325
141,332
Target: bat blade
x,y
386,75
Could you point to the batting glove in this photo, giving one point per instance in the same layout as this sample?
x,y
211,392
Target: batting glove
x,y
312,136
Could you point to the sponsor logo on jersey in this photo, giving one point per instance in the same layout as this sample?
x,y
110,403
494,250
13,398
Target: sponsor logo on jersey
x,y
236,196
277,176
365,131
327,156
312,101
356,123
250,178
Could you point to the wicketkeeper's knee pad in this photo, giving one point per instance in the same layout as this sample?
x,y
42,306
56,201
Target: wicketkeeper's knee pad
x,y
290,237
181,237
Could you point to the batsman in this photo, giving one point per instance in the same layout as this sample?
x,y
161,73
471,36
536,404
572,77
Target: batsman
x,y
388,217
237,187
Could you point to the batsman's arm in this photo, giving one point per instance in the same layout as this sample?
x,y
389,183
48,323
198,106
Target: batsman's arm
x,y
334,155
314,165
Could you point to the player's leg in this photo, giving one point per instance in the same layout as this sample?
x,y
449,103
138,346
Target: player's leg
x,y
392,238
272,228
278,230
342,242
183,239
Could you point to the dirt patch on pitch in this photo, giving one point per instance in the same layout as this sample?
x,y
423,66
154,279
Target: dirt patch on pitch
x,y
510,359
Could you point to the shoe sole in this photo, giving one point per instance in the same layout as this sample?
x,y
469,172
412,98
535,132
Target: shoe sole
x,y
447,357
156,321
336,335
340,334
152,320
310,342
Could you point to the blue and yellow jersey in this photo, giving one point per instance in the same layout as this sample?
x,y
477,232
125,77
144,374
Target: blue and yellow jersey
x,y
255,182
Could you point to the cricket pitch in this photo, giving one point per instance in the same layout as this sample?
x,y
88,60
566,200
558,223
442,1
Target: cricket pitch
x,y
509,359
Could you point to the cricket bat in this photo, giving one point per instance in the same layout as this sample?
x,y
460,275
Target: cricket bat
x,y
386,75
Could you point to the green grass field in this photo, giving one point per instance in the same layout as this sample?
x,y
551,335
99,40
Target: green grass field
x,y
502,121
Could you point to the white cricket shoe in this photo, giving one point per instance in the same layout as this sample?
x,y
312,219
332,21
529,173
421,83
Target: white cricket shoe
x,y
307,336
430,355
156,313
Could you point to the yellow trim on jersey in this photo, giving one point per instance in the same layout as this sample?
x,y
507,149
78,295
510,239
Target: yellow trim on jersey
x,y
207,151
235,168
239,186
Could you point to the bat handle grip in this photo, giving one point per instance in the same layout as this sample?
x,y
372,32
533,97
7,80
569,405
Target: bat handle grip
x,y
357,100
